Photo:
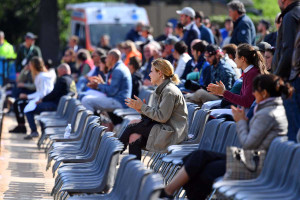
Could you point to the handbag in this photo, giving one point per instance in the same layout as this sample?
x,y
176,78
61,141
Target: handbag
x,y
243,164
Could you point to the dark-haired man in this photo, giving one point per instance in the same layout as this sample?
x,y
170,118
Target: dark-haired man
x,y
206,33
282,60
220,71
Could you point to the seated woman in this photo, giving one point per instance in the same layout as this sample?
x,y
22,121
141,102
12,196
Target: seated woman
x,y
252,64
164,122
202,167
44,83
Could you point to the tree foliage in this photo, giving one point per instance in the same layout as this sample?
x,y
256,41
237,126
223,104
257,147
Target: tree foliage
x,y
19,17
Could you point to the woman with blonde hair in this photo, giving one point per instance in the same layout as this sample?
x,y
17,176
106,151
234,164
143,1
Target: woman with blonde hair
x,y
164,121
44,83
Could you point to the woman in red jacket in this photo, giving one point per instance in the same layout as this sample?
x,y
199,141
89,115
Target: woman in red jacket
x,y
252,63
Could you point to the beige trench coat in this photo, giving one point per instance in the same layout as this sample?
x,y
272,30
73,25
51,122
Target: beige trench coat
x,y
169,109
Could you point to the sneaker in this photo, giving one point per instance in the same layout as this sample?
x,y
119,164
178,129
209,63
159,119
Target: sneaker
x,y
18,129
32,135
28,137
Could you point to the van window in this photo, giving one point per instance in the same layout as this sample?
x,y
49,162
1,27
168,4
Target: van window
x,y
117,32
80,32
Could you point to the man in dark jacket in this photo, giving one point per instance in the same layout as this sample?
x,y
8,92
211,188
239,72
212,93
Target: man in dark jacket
x,y
63,86
135,33
187,16
244,29
282,60
206,33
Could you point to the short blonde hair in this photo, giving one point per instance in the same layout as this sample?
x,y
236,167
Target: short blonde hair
x,y
166,68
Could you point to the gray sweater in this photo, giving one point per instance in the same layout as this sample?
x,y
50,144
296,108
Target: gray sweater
x,y
268,122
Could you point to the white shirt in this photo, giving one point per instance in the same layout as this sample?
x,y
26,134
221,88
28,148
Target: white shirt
x,y
183,59
44,84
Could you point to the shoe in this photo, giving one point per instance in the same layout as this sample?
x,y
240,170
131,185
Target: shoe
x,y
164,195
18,129
28,137
32,135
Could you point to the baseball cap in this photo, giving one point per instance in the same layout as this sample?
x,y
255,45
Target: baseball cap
x,y
30,35
169,24
171,40
187,11
212,49
262,46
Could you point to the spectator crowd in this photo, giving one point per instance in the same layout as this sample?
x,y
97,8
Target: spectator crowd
x,y
249,74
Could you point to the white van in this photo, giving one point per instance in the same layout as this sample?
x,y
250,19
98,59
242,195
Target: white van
x,y
91,20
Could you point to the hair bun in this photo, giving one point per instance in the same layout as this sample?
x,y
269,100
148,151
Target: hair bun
x,y
286,90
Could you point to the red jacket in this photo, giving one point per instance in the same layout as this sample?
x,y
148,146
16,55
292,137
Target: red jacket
x,y
245,98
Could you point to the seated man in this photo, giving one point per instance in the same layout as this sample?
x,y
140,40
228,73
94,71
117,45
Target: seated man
x,y
64,84
117,88
220,71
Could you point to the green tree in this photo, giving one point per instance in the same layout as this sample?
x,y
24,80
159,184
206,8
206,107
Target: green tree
x,y
270,8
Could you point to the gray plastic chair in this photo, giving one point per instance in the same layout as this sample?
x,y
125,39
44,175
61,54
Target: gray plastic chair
x,y
94,180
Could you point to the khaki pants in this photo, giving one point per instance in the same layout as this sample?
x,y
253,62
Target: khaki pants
x,y
200,97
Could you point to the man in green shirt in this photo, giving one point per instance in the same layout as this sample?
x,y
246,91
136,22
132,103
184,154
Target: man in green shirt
x,y
26,51
6,49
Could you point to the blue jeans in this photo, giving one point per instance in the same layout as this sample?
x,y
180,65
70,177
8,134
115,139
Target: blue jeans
x,y
41,107
292,109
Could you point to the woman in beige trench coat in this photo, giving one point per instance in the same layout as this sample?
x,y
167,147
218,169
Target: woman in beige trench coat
x,y
164,122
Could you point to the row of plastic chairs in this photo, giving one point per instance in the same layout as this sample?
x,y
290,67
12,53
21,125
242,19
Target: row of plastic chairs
x,y
86,162
144,184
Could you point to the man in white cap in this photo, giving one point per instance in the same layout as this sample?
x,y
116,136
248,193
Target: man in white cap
x,y
187,16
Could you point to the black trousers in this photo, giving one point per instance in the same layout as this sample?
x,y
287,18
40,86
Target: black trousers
x,y
203,167
141,128
19,106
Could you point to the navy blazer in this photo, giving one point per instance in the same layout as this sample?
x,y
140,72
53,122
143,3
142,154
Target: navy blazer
x,y
243,31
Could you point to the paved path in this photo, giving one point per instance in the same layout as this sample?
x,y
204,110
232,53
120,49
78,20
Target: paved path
x,y
22,167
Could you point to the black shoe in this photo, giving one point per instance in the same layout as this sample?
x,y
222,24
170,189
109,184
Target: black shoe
x,y
28,137
18,129
164,195
32,135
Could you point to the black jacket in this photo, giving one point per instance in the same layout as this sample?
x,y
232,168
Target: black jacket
x,y
282,60
189,35
296,58
271,39
63,86
137,82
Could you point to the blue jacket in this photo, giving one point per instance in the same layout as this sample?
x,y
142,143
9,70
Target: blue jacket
x,y
243,31
190,34
223,72
206,34
119,83
134,36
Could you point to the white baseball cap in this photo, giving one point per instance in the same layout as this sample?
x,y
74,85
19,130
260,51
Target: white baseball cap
x,y
187,11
